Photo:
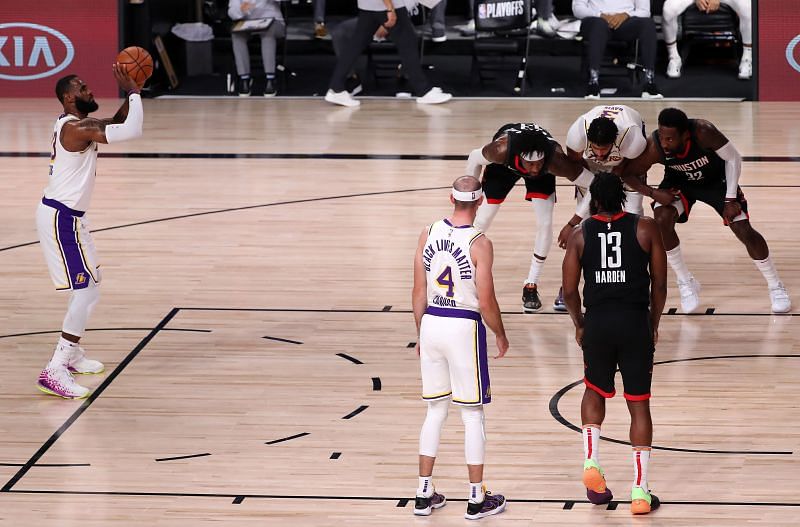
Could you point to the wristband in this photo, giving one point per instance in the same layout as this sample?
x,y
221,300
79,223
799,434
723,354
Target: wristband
x,y
131,92
731,200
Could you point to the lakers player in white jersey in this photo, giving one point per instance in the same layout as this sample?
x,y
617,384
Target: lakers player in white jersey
x,y
453,293
603,138
61,223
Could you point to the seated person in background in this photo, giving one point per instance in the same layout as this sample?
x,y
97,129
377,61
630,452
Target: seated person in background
x,y
625,20
674,8
252,10
320,31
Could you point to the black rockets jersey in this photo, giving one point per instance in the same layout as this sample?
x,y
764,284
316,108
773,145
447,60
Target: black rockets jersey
x,y
615,267
696,165
514,132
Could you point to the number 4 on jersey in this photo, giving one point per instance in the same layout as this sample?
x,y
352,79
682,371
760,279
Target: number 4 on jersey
x,y
445,280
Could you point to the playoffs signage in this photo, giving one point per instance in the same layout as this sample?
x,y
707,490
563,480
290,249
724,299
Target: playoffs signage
x,y
778,50
45,40
502,14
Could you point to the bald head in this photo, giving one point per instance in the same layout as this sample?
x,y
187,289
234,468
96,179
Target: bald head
x,y
466,192
467,184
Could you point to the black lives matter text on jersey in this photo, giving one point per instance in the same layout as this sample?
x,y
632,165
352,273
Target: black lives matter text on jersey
x,y
464,267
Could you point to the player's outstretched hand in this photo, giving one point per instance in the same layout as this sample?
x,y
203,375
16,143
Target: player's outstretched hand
x,y
123,79
502,346
665,196
563,235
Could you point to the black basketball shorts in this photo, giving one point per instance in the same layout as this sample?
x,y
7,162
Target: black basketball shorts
x,y
498,180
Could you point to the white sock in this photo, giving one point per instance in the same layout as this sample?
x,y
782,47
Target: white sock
x,y
425,488
476,493
675,260
747,53
672,50
767,268
641,458
591,443
535,270
63,353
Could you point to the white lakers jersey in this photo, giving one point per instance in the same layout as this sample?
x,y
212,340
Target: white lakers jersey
x,y
449,267
630,142
72,174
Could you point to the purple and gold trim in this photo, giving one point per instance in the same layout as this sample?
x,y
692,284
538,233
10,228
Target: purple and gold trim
x,y
453,313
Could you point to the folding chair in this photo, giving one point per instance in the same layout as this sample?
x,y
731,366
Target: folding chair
x,y
508,23
719,29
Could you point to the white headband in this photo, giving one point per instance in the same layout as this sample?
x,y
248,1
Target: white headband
x,y
532,156
473,195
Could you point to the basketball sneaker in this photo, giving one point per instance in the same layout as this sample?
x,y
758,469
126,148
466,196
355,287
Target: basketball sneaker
x,y
59,382
434,96
779,297
558,303
424,506
490,505
674,67
594,478
342,98
746,68
643,502
531,303
80,364
690,294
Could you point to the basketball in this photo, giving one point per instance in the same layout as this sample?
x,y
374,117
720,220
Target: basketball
x,y
137,62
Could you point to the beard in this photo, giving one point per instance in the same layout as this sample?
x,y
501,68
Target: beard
x,y
86,107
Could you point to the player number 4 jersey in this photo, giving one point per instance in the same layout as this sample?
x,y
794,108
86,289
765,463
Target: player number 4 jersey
x,y
449,267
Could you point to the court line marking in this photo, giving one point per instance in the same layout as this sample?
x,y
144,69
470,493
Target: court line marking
x,y
556,414
183,457
328,156
375,498
88,401
292,202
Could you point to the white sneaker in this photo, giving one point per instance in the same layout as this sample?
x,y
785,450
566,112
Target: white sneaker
x,y
342,98
434,96
690,294
544,28
779,297
467,29
746,68
80,364
674,67
59,382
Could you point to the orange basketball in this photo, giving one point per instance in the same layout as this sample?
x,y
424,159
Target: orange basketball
x,y
137,62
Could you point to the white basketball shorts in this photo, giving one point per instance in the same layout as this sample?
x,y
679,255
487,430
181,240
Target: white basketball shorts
x,y
453,356
67,244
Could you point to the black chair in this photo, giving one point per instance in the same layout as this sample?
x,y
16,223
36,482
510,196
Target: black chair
x,y
718,29
502,29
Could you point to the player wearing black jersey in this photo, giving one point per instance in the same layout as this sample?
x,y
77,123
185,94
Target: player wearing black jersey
x,y
527,151
701,164
625,286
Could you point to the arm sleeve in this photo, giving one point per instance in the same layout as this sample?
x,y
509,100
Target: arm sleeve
x,y
582,209
474,162
581,9
733,168
132,127
576,136
633,144
641,8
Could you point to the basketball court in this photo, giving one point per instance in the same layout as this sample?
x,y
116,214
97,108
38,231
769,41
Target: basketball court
x,y
256,328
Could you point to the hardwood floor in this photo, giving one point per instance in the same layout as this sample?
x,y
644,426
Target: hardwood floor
x,y
255,322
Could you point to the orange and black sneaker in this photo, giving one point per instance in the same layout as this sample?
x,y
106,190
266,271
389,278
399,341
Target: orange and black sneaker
x,y
643,502
595,482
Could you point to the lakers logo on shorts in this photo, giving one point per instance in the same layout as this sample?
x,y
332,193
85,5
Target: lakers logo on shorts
x,y
80,278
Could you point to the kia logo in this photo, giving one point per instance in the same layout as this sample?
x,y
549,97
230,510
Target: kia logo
x,y
30,47
790,53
